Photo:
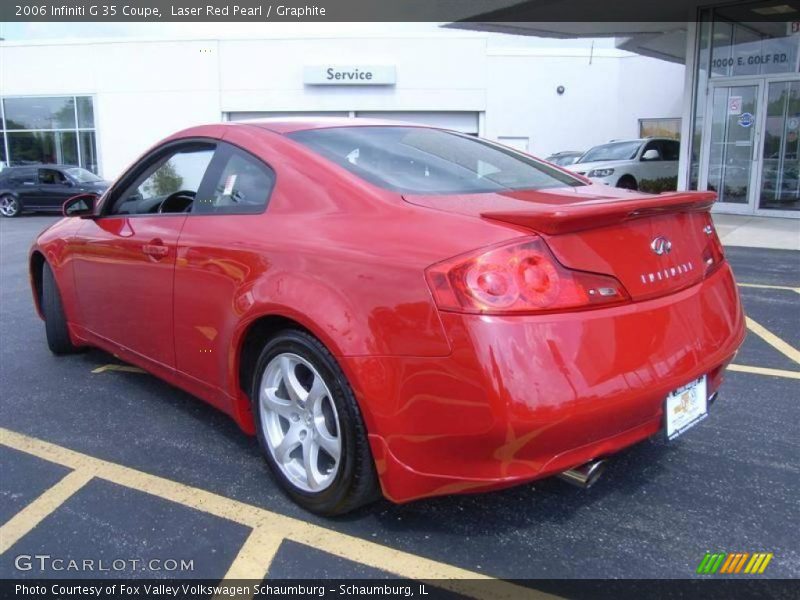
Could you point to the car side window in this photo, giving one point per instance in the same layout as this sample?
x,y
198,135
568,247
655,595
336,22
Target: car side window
x,y
239,184
51,177
672,150
25,177
654,145
167,185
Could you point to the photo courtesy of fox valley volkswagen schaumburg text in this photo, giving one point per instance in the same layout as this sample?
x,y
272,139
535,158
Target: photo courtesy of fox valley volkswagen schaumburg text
x,y
416,299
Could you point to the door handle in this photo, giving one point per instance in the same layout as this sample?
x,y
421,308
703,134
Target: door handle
x,y
155,249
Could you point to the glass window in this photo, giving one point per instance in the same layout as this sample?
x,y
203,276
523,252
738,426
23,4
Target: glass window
x,y
662,128
701,81
82,175
780,179
430,161
672,150
180,171
3,161
741,47
53,147
51,177
27,176
40,113
653,145
45,129
85,112
243,187
612,151
88,146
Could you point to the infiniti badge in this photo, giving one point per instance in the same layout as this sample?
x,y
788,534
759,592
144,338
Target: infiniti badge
x,y
661,245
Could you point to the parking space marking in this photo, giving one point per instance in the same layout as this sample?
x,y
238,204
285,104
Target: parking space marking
x,y
773,340
268,526
255,556
764,286
33,514
765,371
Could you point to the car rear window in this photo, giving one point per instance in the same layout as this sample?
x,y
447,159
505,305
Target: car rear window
x,y
417,160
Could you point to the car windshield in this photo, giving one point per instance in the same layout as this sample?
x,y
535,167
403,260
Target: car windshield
x,y
418,160
82,175
562,160
612,151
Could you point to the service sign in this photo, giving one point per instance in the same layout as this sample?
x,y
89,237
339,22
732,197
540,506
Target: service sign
x,y
349,75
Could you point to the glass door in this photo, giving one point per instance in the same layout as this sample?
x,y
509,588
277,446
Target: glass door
x,y
731,144
779,185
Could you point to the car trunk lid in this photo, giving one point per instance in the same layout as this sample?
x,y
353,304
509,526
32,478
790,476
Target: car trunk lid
x,y
653,244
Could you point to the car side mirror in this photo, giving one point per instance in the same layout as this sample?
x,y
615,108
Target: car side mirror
x,y
651,154
82,205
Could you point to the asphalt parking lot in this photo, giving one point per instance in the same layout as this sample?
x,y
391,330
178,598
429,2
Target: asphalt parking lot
x,y
100,461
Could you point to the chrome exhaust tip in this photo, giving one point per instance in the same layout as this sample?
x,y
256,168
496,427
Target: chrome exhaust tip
x,y
585,475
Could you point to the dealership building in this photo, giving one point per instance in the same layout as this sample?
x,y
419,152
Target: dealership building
x,y
725,79
740,115
102,103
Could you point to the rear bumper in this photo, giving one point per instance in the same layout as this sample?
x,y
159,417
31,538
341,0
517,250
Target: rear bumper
x,y
526,397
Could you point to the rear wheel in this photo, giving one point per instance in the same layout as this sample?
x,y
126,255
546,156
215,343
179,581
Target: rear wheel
x,y
9,206
55,323
627,182
310,427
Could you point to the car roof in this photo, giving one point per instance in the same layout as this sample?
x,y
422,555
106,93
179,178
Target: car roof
x,y
640,140
40,166
292,124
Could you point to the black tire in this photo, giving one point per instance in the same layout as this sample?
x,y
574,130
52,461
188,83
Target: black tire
x,y
9,206
627,182
55,323
355,483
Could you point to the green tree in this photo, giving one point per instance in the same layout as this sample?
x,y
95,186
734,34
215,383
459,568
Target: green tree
x,y
165,180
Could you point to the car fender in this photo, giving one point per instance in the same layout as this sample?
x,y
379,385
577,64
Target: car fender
x,y
54,245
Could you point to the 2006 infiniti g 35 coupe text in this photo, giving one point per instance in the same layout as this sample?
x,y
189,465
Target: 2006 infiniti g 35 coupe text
x,y
397,308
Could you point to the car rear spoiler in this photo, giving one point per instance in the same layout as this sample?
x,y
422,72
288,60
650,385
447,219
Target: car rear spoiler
x,y
567,218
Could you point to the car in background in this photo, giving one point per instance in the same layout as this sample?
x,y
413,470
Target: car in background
x,y
44,188
627,163
564,158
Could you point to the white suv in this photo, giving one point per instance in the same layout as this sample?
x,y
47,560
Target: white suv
x,y
627,164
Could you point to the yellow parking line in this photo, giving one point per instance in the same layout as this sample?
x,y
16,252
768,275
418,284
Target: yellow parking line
x,y
770,287
773,340
255,556
765,371
124,368
271,525
33,514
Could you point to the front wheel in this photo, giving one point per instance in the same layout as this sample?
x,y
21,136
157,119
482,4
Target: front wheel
x,y
9,206
310,427
55,322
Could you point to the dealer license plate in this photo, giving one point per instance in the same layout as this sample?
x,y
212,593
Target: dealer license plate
x,y
686,407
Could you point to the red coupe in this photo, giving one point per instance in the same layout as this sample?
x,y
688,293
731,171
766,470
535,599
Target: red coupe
x,y
398,309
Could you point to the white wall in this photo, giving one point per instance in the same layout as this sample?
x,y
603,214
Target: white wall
x,y
145,90
603,100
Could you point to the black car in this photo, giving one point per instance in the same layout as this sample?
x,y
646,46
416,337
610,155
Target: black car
x,y
44,187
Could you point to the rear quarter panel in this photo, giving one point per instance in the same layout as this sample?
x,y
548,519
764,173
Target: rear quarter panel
x,y
340,257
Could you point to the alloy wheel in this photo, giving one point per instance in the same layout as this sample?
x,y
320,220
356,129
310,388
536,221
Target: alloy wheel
x,y
300,423
8,206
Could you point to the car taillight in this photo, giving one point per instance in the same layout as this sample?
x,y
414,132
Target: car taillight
x,y
713,255
518,277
